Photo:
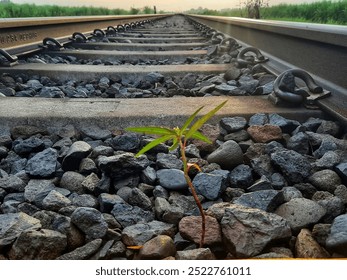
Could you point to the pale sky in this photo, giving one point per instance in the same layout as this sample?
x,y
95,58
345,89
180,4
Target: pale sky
x,y
165,5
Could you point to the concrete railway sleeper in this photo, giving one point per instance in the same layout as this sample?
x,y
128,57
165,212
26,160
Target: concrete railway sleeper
x,y
277,165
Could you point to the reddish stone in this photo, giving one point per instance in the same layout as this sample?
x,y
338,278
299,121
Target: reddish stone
x,y
190,229
265,133
307,247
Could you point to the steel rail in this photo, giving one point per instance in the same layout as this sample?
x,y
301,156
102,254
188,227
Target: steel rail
x,y
319,49
28,31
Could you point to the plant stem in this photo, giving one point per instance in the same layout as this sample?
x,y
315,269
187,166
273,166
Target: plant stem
x,y
192,188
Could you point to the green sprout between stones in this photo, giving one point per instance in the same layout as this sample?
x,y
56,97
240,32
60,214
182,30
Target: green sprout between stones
x,y
179,138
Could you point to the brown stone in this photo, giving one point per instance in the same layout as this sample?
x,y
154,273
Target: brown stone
x,y
190,229
265,133
160,247
212,133
307,247
38,245
195,254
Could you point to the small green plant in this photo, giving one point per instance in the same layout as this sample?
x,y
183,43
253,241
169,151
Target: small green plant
x,y
179,138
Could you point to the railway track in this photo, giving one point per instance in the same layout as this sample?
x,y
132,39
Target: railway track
x,y
94,82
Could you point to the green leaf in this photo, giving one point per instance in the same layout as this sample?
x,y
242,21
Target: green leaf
x,y
199,123
198,135
152,130
154,143
174,144
191,118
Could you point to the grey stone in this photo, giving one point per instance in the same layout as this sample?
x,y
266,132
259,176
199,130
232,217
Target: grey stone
x,y
225,88
258,119
329,127
140,233
237,136
107,201
266,200
13,224
90,184
101,151
248,83
124,193
72,181
90,221
3,152
43,164
324,147
34,84
328,161
127,142
262,166
12,183
295,167
325,180
247,231
312,124
241,176
195,254
38,245
320,233
228,155
87,167
261,184
232,124
232,73
149,175
138,198
122,164
13,163
299,143
333,206
209,185
154,77
26,131
341,169
188,81
172,179
37,190
301,213
84,252
75,154
31,145
84,200
306,189
192,151
55,200
290,192
337,239
51,92
128,215
161,205
286,125
317,139
168,161
341,192
159,191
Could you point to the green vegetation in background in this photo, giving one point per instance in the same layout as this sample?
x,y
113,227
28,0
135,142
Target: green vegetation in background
x,y
330,12
10,10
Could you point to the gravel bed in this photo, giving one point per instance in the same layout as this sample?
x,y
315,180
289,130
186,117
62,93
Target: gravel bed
x,y
248,81
271,187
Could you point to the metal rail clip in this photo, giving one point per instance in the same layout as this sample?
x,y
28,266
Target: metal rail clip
x,y
6,59
286,91
79,37
243,59
52,44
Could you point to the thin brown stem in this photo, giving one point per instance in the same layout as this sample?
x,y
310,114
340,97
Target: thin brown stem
x,y
192,189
